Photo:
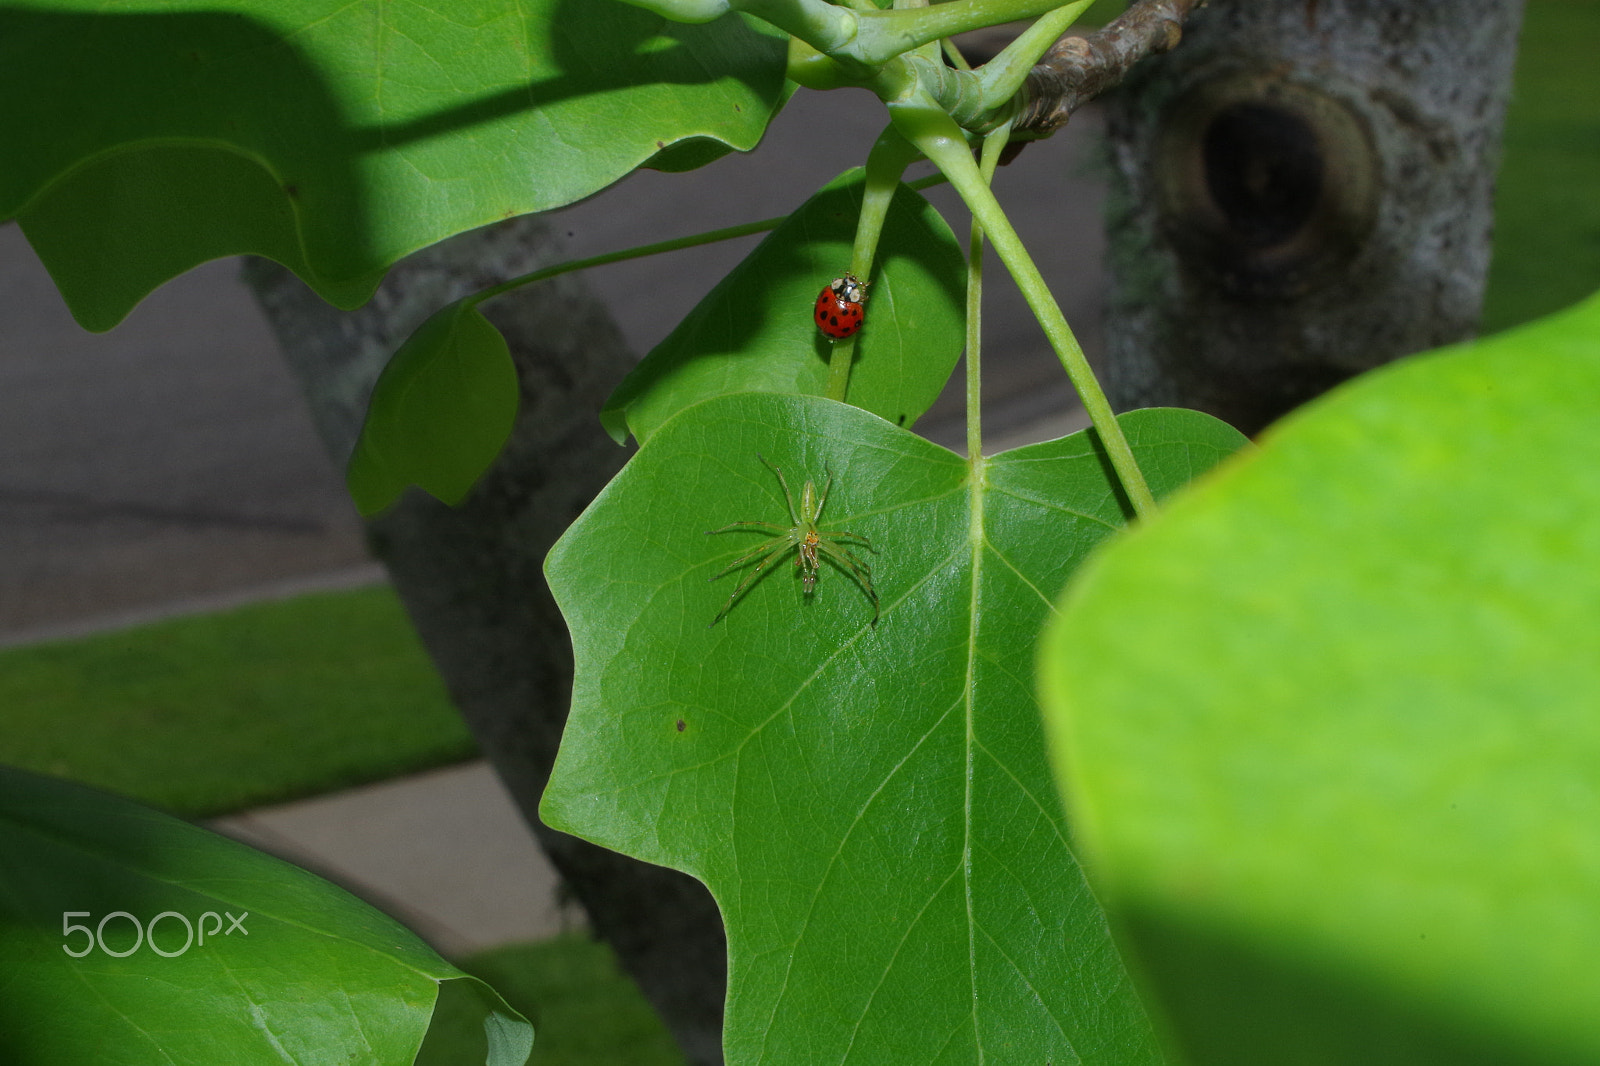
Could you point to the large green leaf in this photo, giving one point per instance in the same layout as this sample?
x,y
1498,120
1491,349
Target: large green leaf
x,y
440,413
754,332
307,974
1330,724
870,806
142,137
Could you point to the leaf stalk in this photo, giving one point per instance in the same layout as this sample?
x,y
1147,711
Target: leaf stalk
x,y
993,145
887,161
925,125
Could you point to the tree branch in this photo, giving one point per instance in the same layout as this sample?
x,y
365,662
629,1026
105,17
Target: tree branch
x,y
1078,69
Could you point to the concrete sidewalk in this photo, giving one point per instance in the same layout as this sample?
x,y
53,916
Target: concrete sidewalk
x,y
446,852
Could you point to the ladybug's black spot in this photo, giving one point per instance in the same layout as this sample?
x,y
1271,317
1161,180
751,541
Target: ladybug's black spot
x,y
833,320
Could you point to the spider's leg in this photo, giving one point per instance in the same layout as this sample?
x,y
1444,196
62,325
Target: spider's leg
x,y
772,544
754,527
822,501
848,537
847,560
850,558
771,552
788,498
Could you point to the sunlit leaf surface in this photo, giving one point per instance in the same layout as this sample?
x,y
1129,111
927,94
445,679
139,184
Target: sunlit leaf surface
x,y
1330,723
871,806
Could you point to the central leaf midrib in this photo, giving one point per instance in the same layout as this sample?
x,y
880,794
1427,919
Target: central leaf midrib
x,y
977,472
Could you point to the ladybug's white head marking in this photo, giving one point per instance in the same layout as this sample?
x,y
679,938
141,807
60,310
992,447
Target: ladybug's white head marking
x,y
849,289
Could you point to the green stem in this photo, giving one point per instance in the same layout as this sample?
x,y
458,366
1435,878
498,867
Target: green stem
x,y
685,10
675,244
928,50
887,161
822,25
953,54
1003,75
882,35
727,233
992,146
983,99
941,140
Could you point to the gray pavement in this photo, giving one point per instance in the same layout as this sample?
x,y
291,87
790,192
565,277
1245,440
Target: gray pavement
x,y
446,852
169,466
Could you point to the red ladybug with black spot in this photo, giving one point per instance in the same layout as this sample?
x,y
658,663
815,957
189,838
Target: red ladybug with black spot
x,y
841,307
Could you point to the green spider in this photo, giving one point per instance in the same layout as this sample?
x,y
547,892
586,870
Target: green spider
x,y
812,543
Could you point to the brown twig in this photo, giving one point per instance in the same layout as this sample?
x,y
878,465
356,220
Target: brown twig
x,y
1078,69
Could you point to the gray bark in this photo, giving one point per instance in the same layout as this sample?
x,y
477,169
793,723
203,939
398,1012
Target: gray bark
x,y
1302,191
471,577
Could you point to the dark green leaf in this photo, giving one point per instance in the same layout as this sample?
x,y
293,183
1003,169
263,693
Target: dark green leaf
x,y
870,806
754,332
440,413
338,138
308,974
1329,723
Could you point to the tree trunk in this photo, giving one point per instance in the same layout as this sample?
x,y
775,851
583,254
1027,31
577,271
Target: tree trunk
x,y
471,577
1302,190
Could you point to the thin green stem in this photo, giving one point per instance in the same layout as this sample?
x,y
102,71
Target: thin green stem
x,y
1003,75
953,54
941,140
887,161
992,146
980,100
882,35
676,244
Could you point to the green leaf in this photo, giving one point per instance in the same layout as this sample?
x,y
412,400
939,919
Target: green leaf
x,y
337,138
1328,724
754,332
440,413
870,806
307,974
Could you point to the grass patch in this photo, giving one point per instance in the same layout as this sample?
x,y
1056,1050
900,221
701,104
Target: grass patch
x,y
1547,213
213,713
585,1011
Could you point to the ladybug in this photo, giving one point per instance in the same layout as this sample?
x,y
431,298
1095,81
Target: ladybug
x,y
840,310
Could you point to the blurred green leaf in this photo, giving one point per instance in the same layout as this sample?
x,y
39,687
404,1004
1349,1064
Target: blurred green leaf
x,y
754,332
440,413
871,807
337,138
1546,216
1329,724
307,973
